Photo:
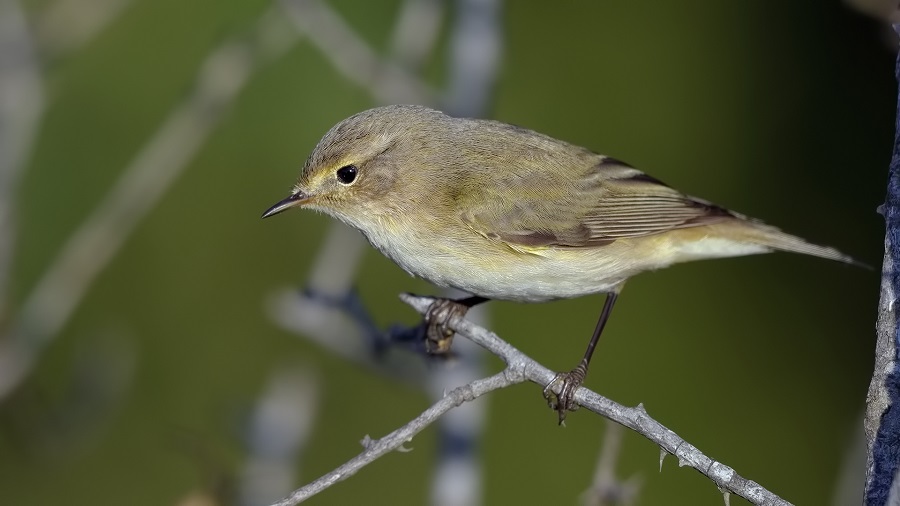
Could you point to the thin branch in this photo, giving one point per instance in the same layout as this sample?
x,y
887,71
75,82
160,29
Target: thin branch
x,y
521,368
635,418
139,188
352,57
342,328
395,440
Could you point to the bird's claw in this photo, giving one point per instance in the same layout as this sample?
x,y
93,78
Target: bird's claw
x,y
562,399
438,336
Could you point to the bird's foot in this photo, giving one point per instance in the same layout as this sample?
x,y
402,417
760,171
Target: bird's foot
x,y
438,336
560,392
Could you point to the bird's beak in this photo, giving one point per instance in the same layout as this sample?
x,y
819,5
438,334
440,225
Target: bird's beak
x,y
294,200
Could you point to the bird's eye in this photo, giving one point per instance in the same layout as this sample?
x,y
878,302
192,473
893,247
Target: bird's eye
x,y
347,174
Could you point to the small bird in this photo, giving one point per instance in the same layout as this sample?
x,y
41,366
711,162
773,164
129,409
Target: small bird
x,y
503,212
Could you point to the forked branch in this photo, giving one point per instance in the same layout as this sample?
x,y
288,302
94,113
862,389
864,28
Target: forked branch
x,y
519,369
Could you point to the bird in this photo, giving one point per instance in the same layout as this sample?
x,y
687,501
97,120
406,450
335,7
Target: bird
x,y
503,212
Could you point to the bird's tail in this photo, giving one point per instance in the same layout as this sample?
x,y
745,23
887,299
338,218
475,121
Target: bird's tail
x,y
774,239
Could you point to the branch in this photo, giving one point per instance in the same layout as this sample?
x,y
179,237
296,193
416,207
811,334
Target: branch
x,y
882,422
340,325
388,82
521,368
395,440
635,418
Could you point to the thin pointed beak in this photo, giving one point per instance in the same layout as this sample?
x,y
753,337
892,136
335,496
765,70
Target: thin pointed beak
x,y
296,199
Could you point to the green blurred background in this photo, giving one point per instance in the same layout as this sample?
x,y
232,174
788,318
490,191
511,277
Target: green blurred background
x,y
780,110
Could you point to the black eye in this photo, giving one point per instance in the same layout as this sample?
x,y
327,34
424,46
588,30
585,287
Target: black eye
x,y
347,174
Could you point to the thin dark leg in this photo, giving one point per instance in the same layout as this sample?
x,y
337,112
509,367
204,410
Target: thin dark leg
x,y
565,400
604,316
439,337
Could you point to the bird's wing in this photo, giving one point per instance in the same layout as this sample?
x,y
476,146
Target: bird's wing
x,y
610,201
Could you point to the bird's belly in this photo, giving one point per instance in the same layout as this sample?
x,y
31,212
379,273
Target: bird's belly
x,y
501,273
534,282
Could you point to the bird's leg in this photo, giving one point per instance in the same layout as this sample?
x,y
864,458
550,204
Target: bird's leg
x,y
564,401
439,337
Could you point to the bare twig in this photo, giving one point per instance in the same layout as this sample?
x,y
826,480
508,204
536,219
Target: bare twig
x,y
393,441
139,188
521,368
635,418
387,81
346,332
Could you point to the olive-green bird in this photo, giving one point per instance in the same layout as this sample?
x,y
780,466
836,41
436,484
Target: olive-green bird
x,y
503,212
